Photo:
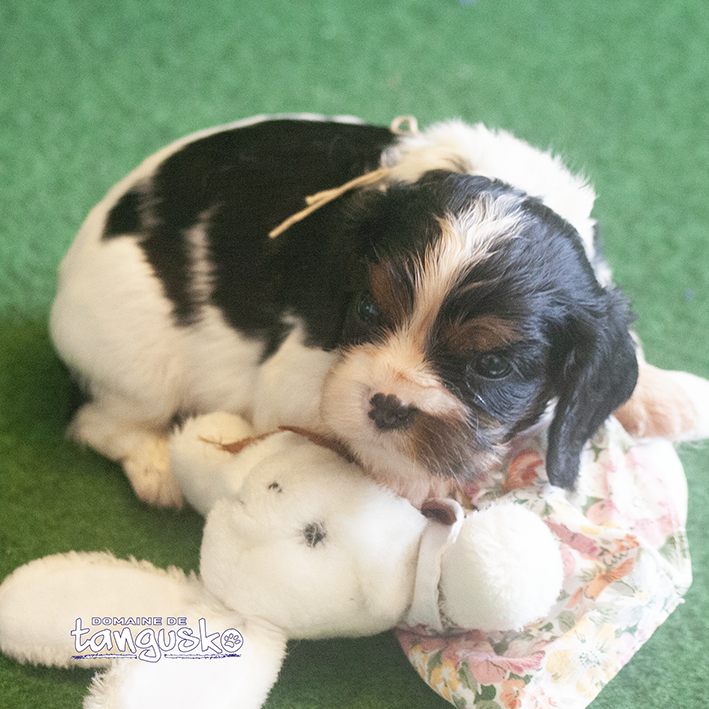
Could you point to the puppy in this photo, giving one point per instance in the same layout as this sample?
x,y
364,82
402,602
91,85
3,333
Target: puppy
x,y
423,315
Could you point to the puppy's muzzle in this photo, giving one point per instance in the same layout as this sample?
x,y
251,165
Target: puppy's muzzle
x,y
389,413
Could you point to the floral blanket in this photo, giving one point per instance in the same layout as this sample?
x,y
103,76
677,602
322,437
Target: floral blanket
x,y
627,566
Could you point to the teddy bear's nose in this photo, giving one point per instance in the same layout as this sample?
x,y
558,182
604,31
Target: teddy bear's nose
x,y
389,413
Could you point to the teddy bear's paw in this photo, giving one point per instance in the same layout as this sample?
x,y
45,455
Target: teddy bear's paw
x,y
203,453
209,436
148,469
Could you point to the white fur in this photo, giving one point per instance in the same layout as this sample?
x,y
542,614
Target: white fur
x,y
469,237
288,385
478,150
360,587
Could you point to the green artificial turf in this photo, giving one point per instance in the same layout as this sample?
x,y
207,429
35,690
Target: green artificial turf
x,y
88,89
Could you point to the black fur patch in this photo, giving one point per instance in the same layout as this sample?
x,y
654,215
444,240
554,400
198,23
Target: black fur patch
x,y
237,185
124,217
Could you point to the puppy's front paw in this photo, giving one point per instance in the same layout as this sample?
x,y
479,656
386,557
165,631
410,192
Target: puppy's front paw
x,y
148,469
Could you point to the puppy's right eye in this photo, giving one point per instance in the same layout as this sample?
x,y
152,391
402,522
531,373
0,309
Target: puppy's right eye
x,y
491,365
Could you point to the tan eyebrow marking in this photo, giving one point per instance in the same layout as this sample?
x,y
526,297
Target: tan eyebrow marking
x,y
485,332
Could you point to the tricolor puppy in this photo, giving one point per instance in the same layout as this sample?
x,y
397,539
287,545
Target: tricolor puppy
x,y
423,315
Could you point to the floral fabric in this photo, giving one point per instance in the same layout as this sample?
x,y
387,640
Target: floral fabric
x,y
626,566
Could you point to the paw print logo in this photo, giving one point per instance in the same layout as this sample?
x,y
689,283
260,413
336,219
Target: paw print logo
x,y
232,640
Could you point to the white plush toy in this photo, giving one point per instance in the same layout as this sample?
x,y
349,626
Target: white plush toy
x,y
298,544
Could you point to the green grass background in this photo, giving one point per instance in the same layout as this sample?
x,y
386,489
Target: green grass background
x,y
88,89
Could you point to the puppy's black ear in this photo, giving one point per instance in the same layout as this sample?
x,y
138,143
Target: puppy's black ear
x,y
598,374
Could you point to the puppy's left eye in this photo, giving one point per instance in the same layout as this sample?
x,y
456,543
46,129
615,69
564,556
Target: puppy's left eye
x,y
366,309
491,365
363,318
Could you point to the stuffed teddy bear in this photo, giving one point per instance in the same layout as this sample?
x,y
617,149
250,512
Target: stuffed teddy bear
x,y
298,543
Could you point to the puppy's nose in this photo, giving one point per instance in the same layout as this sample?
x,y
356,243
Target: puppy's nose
x,y
389,413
